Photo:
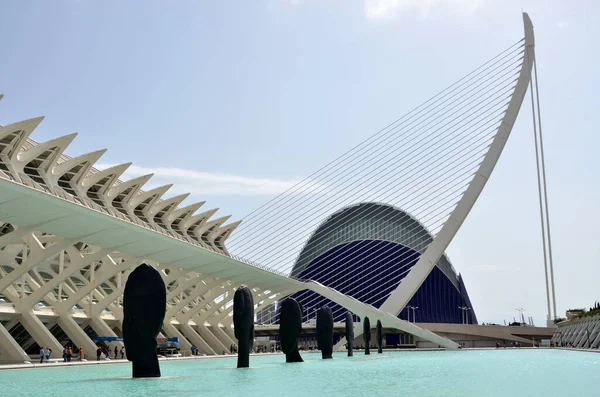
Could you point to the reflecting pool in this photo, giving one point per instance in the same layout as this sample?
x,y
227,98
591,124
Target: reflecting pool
x,y
474,373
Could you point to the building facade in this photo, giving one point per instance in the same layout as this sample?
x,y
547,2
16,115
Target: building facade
x,y
365,251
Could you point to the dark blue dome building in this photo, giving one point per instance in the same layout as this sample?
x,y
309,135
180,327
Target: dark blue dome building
x,y
364,251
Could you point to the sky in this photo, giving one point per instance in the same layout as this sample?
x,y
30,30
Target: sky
x,y
235,101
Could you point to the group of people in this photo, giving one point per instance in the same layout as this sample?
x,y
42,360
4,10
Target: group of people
x,y
106,352
45,354
264,349
67,354
515,345
257,349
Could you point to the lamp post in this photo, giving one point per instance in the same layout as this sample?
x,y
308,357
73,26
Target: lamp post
x,y
467,315
413,308
521,310
464,318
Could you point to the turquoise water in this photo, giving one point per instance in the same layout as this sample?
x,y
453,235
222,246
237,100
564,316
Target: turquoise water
x,y
477,373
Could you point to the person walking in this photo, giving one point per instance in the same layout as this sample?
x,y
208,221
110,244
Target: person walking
x,y
122,352
69,354
98,353
80,353
42,355
64,354
116,352
48,352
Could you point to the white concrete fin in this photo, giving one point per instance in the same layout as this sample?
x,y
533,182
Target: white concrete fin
x,y
172,203
225,231
106,177
133,185
208,227
80,164
47,152
185,212
197,221
13,136
155,193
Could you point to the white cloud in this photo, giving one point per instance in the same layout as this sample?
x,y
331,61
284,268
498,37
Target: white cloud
x,y
390,9
207,183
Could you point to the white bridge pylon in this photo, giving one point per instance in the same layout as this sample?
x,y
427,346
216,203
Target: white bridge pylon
x,y
400,297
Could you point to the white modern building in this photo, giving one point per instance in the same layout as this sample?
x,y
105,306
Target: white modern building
x,y
71,234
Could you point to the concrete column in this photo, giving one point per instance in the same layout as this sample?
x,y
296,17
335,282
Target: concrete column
x,y
40,333
76,333
216,345
102,328
197,340
10,351
172,332
220,334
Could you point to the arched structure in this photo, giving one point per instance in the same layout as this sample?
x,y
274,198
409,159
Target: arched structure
x,y
367,256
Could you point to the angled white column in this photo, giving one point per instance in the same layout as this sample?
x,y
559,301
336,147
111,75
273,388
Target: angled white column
x,y
10,351
77,262
40,333
108,269
76,333
37,253
173,332
202,344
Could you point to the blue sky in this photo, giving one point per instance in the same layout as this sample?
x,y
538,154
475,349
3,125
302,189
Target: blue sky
x,y
234,101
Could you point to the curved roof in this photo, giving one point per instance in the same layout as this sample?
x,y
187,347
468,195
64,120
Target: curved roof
x,y
369,221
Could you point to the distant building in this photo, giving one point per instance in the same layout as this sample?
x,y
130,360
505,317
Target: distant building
x,y
266,315
365,251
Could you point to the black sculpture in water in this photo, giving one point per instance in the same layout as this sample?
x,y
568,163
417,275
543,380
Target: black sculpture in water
x,y
144,307
243,323
379,337
290,328
367,334
325,331
349,332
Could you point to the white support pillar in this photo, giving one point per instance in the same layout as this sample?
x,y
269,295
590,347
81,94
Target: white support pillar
x,y
197,339
10,351
172,332
102,328
61,269
216,345
224,339
40,333
76,334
